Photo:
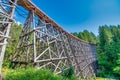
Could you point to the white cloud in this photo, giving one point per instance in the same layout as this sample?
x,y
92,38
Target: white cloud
x,y
18,22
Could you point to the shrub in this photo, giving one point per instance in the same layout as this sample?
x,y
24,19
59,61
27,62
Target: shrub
x,y
68,72
33,74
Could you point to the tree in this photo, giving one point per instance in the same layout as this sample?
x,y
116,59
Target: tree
x,y
12,42
87,36
109,51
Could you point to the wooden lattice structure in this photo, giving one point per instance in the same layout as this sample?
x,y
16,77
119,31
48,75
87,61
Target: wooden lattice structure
x,y
7,8
45,44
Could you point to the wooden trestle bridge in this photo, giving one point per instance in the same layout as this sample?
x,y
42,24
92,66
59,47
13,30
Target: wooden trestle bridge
x,y
43,43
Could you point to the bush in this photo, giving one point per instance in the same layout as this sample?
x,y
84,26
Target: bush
x,y
68,72
32,74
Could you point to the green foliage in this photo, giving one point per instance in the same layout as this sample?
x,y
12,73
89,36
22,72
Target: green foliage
x,y
68,72
12,42
33,74
109,51
87,36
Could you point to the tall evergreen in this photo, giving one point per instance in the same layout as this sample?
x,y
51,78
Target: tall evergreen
x,y
87,36
109,51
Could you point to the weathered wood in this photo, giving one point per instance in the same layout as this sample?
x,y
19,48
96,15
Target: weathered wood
x,y
1,77
44,44
52,48
7,13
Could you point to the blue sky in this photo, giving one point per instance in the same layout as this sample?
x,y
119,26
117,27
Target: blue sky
x,y
78,15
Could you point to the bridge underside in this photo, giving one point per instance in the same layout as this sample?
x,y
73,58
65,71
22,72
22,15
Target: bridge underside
x,y
44,44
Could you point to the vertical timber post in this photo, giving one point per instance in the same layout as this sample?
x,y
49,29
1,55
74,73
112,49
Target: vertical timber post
x,y
34,39
6,25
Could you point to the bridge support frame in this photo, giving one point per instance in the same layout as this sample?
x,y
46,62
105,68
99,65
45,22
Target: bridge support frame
x,y
45,46
7,8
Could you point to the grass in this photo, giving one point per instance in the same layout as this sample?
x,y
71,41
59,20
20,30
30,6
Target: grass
x,y
100,78
104,79
34,74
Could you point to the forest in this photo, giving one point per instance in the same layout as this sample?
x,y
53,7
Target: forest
x,y
108,49
108,52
